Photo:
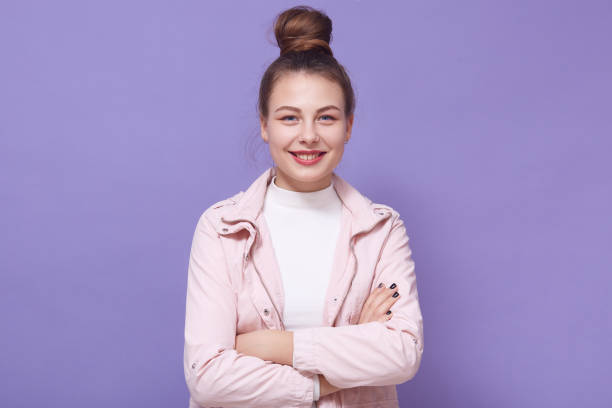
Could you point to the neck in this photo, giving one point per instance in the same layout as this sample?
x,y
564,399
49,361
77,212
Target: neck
x,y
320,199
288,183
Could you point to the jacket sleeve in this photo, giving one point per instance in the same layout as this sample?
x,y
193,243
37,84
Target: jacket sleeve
x,y
374,353
215,373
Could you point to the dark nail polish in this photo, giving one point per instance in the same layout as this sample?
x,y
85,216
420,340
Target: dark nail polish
x,y
395,294
392,286
389,312
380,285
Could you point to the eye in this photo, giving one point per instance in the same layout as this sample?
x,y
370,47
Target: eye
x,y
328,116
288,116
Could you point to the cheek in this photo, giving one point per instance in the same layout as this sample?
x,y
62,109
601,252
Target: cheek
x,y
334,135
278,153
279,139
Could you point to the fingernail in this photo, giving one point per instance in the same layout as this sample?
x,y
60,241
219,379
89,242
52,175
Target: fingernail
x,y
380,285
395,294
389,312
392,286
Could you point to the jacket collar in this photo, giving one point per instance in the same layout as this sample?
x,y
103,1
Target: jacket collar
x,y
247,206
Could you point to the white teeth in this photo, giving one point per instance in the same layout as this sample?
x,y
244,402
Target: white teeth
x,y
307,156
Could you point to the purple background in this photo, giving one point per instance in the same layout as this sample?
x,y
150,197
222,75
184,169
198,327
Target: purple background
x,y
487,125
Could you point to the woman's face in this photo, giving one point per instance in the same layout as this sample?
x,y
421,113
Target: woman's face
x,y
305,113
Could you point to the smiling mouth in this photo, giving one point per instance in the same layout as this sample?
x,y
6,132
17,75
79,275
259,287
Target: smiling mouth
x,y
308,156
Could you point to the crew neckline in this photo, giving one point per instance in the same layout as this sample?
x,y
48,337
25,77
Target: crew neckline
x,y
301,199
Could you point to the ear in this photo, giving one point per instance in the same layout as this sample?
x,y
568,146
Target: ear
x,y
264,128
349,126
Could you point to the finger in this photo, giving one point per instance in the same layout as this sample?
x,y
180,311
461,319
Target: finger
x,y
370,308
369,300
376,297
380,300
386,304
389,301
380,294
385,317
367,307
380,288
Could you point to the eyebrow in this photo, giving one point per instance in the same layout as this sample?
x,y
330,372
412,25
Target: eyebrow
x,y
299,110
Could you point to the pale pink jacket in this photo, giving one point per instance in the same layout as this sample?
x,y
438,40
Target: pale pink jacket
x,y
234,286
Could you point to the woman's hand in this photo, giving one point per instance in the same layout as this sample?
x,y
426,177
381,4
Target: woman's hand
x,y
275,346
377,306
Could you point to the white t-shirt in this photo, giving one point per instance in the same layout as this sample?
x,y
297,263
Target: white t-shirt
x,y
304,228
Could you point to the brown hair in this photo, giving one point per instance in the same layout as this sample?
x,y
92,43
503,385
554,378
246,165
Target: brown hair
x,y
303,35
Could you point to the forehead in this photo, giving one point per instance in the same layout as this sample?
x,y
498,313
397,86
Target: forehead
x,y
305,91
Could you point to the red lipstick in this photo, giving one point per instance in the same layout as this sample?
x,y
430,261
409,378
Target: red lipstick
x,y
320,154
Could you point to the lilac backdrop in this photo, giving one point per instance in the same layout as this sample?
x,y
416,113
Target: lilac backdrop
x,y
486,124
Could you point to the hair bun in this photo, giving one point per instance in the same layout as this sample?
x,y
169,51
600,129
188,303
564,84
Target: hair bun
x,y
303,28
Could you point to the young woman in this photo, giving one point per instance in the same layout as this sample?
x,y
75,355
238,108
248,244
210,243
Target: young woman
x,y
301,291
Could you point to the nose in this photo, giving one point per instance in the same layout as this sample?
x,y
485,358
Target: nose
x,y
309,134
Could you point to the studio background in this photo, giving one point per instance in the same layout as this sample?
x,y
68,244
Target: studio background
x,y
485,124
